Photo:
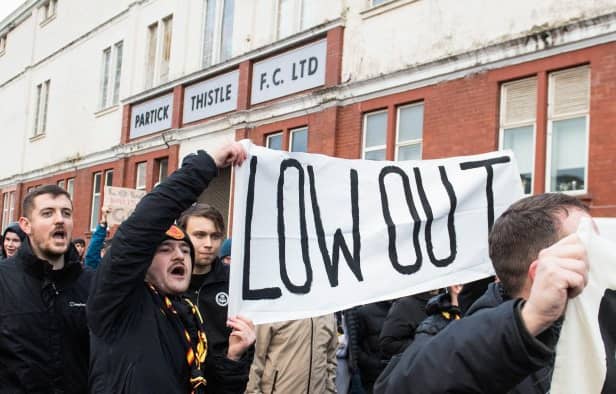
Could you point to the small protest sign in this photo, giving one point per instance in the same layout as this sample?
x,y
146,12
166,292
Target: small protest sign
x,y
120,202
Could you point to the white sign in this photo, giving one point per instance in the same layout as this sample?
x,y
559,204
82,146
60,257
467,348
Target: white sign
x,y
212,97
314,234
291,72
152,116
586,351
121,202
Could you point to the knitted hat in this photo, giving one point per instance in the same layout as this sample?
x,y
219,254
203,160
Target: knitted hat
x,y
175,233
225,249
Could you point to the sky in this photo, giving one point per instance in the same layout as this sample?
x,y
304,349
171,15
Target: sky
x,y
8,6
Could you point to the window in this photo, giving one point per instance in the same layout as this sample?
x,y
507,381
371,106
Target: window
x,y
2,44
568,105
70,187
166,50
375,135
151,62
410,132
110,80
299,140
96,199
377,2
8,208
517,125
61,184
140,176
274,141
163,169
40,115
48,10
294,16
218,31
109,178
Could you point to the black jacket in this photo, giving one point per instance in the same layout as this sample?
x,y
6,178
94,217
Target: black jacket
x,y
401,322
44,345
210,292
488,351
135,348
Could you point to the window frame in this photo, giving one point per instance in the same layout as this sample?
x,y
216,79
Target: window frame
x,y
41,106
296,130
416,141
144,165
275,134
504,126
215,52
551,118
70,187
94,214
364,150
49,10
3,40
109,94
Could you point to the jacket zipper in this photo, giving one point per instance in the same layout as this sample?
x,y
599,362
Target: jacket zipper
x,y
311,350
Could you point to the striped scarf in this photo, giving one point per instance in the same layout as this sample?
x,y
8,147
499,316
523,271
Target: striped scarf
x,y
186,318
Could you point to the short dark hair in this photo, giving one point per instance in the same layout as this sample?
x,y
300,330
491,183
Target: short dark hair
x,y
522,231
205,211
79,241
54,190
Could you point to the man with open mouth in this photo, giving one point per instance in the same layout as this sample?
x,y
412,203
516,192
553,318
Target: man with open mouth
x,y
145,336
44,345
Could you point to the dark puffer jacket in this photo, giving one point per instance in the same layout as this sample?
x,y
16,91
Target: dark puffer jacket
x,y
44,346
488,351
136,348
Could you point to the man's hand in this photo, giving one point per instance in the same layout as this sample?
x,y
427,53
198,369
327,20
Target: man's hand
x,y
560,273
230,154
241,338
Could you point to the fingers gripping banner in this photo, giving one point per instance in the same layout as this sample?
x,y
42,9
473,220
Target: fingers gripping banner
x,y
314,234
586,351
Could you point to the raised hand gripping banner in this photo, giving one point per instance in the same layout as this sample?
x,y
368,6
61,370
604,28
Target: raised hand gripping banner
x,y
314,234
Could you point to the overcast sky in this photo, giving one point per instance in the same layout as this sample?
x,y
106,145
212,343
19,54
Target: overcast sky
x,y
8,6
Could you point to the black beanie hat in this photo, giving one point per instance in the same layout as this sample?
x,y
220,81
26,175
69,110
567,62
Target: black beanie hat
x,y
175,233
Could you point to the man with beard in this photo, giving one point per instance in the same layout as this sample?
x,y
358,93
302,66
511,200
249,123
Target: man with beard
x,y
44,345
146,337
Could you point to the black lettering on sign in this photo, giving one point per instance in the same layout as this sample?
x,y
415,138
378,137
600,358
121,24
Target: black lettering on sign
x,y
304,288
275,77
430,218
487,164
607,327
353,261
313,65
391,227
262,81
268,293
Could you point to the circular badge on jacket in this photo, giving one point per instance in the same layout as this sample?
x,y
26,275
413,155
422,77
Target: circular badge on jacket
x,y
222,298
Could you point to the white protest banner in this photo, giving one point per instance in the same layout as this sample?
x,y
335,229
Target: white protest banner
x,y
314,234
121,202
586,351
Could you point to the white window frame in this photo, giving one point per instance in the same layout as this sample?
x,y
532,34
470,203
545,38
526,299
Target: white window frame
x,y
270,136
156,70
8,208
3,39
364,150
97,177
70,187
416,141
141,165
61,184
296,130
216,55
108,174
573,115
111,74
162,176
48,11
41,105
512,125
166,38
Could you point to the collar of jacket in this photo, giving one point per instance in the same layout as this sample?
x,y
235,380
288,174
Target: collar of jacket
x,y
41,269
218,273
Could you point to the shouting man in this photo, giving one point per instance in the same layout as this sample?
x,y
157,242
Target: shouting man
x,y
44,345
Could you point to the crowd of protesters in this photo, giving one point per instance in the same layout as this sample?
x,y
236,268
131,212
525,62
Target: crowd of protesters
x,y
146,311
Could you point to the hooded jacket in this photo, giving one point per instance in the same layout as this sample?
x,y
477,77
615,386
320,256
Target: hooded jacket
x,y
488,351
296,356
44,345
13,228
136,348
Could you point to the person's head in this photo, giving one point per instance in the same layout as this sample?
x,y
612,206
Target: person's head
x,y
225,251
48,221
80,245
205,226
171,266
524,229
12,238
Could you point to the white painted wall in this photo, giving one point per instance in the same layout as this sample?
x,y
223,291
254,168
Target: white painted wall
x,y
420,31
